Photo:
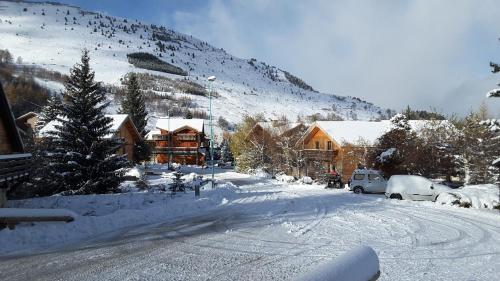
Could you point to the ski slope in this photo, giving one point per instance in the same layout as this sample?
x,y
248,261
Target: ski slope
x,y
52,36
269,230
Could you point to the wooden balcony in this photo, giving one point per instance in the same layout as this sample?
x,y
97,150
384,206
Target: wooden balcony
x,y
176,150
14,167
160,137
319,154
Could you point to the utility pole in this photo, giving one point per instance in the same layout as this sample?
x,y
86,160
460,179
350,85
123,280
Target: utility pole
x,y
211,79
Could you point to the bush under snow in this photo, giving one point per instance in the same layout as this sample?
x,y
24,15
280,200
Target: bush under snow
x,y
475,196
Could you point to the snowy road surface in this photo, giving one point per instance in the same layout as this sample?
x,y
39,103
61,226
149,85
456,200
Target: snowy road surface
x,y
274,231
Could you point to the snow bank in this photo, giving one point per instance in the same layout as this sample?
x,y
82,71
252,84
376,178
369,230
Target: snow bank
x,y
101,214
475,196
35,213
306,180
360,264
284,178
260,173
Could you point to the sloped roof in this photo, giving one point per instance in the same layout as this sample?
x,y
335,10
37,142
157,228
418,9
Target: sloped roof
x,y
116,123
354,131
174,124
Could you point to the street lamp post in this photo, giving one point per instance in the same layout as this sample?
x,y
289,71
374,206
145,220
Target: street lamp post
x,y
211,79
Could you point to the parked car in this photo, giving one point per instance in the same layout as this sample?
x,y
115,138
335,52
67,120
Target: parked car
x,y
367,181
414,188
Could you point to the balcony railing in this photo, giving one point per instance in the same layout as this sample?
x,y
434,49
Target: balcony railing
x,y
14,166
160,137
319,154
176,150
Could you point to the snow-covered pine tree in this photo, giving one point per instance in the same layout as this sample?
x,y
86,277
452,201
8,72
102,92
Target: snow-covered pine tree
x,y
495,93
226,154
84,159
134,105
479,149
395,151
49,112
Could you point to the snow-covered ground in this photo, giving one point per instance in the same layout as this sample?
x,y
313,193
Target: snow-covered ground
x,y
253,228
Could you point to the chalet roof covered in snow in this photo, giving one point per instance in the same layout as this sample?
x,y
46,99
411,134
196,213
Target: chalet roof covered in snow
x,y
369,131
174,124
116,123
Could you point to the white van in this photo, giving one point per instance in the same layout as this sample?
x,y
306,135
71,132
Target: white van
x,y
367,181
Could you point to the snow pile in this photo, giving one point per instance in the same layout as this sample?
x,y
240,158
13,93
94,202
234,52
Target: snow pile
x,y
192,180
347,267
134,172
284,178
260,173
305,180
105,213
475,196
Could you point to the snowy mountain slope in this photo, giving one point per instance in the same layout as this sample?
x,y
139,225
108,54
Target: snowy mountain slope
x,y
52,36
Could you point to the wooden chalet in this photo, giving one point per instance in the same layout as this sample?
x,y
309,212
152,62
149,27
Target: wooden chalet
x,y
340,145
14,163
176,140
122,127
343,145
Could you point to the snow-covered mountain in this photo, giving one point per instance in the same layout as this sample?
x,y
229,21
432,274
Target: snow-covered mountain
x,y
52,36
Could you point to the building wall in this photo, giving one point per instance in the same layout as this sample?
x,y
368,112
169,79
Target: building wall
x,y
129,142
5,145
187,138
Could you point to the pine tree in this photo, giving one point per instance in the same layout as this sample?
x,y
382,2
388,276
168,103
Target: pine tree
x,y
226,155
396,151
84,159
134,105
50,111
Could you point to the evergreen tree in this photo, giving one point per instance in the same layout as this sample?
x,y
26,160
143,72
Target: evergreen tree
x,y
188,115
396,151
50,111
479,149
226,155
134,105
84,159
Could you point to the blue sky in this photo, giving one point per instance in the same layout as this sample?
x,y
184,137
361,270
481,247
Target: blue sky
x,y
428,54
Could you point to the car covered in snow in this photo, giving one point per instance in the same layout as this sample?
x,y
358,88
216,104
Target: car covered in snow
x,y
416,188
367,181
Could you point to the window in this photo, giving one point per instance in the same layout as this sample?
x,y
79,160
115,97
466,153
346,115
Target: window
x,y
329,145
373,177
317,145
186,137
359,177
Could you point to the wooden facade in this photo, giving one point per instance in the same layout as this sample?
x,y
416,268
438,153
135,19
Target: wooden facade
x,y
130,137
183,144
322,153
14,163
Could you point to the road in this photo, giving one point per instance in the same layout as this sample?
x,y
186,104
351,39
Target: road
x,y
274,232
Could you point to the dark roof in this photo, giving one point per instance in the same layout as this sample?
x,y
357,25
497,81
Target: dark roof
x,y
7,118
